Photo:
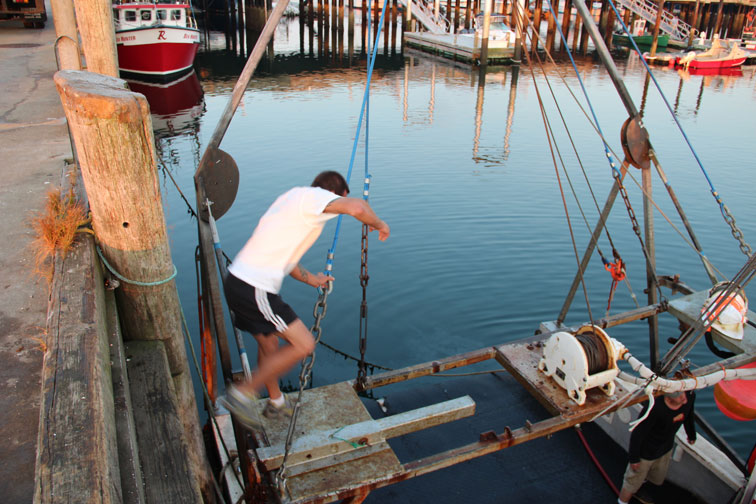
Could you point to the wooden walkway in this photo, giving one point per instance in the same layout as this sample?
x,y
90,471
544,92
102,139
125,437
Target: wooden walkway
x,y
459,47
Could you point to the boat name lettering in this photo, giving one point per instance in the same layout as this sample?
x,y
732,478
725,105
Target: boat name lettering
x,y
124,38
161,35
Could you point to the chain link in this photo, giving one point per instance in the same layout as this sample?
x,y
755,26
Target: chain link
x,y
319,312
735,230
364,277
636,229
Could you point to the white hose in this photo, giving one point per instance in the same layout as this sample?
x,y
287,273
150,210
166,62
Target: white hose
x,y
648,378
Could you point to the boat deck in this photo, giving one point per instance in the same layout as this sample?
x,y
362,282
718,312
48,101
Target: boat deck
x,y
688,309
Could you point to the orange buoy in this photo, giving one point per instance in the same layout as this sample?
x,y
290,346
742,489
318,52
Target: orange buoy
x,y
737,398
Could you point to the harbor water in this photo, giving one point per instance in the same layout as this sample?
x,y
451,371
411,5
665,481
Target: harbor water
x,y
482,212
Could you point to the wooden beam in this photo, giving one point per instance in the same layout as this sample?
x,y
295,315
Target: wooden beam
x,y
319,444
428,368
77,457
164,454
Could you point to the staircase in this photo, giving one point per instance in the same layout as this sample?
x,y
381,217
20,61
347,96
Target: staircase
x,y
424,14
675,27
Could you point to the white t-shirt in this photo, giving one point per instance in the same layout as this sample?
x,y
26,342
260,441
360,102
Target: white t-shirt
x,y
285,232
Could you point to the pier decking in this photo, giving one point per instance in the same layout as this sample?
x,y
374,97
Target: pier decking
x,y
459,47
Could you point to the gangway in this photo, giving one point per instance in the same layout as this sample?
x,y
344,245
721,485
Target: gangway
x,y
676,28
423,13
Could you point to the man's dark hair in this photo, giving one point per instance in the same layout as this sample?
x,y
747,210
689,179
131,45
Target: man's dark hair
x,y
331,181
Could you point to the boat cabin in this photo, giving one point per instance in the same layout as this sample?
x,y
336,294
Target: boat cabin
x,y
498,29
150,15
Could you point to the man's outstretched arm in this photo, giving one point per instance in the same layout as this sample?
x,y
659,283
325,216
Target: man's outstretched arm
x,y
360,210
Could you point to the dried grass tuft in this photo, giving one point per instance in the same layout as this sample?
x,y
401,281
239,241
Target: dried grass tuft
x,y
55,228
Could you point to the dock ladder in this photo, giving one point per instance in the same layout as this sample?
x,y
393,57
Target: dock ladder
x,y
675,27
425,15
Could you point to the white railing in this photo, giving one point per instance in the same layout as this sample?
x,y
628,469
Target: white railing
x,y
676,28
425,15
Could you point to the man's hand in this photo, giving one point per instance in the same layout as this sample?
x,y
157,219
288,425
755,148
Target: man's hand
x,y
635,467
383,230
320,280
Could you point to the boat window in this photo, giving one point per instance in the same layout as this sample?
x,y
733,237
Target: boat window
x,y
146,15
129,15
176,15
162,14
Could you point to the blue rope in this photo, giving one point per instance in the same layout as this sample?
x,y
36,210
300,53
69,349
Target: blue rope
x,y
669,107
134,282
363,110
609,156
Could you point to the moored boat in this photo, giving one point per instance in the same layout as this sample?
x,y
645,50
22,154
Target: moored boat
x,y
722,54
644,39
155,40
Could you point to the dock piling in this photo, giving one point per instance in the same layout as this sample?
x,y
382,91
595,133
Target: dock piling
x,y
112,132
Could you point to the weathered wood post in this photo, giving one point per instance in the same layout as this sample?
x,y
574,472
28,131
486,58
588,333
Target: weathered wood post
x,y
484,36
112,132
693,24
551,29
95,20
566,19
718,23
534,39
67,45
659,13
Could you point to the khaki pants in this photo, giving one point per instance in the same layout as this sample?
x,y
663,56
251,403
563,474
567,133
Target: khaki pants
x,y
654,471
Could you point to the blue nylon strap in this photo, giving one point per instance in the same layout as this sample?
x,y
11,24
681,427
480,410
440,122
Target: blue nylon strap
x,y
364,113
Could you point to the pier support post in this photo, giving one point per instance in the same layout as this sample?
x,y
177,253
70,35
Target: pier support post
x,y
112,132
67,46
659,13
95,20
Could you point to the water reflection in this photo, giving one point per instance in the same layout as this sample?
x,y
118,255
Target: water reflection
x,y
177,108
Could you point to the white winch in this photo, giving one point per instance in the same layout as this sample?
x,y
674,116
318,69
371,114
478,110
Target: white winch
x,y
581,361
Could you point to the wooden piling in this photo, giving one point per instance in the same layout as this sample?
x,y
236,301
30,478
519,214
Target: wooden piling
x,y
456,17
566,19
95,21
551,30
610,19
536,26
577,32
718,23
112,131
693,23
67,46
659,13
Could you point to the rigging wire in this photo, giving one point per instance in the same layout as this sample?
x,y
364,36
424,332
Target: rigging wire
x,y
729,219
615,171
556,170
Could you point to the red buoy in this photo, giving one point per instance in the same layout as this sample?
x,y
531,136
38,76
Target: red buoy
x,y
737,398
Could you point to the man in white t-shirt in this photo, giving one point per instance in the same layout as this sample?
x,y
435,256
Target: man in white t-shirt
x,y
284,233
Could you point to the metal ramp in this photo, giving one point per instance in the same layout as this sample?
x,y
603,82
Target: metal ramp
x,y
676,28
424,14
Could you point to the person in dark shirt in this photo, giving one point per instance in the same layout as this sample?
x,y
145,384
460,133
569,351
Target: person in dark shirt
x,y
652,441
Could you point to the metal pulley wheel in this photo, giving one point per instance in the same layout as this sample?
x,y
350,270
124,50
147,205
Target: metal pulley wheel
x,y
635,143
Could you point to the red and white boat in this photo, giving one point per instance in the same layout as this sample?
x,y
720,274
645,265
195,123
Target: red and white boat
x,y
154,39
723,54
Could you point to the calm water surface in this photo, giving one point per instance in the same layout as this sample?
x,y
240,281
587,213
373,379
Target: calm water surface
x,y
480,250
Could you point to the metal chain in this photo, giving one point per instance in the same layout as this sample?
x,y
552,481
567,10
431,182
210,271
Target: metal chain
x,y
734,229
319,312
636,229
364,277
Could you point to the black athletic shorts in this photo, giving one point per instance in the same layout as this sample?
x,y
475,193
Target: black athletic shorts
x,y
255,310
